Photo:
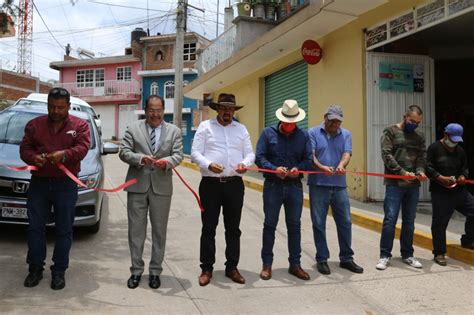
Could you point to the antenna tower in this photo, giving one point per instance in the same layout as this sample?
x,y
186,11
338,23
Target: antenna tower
x,y
25,36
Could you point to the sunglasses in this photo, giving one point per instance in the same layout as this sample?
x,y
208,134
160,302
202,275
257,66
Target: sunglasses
x,y
59,91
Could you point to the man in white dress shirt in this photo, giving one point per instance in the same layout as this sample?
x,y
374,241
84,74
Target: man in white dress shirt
x,y
223,151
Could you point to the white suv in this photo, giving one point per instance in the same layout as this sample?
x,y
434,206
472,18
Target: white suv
x,y
76,104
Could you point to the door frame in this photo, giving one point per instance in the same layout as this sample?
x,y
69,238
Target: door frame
x,y
371,85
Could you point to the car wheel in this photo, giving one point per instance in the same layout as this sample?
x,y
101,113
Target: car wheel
x,y
96,227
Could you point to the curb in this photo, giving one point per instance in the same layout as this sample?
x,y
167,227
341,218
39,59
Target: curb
x,y
420,238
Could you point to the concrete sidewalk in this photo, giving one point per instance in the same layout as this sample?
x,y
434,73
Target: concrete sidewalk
x,y
370,216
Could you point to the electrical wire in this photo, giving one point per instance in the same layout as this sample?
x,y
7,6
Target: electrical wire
x,y
52,35
123,6
67,21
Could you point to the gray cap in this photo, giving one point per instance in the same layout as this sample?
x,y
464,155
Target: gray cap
x,y
334,112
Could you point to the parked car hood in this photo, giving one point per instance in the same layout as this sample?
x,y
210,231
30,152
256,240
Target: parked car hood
x,y
10,155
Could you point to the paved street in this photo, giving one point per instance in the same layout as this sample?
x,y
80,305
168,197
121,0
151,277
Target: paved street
x,y
96,280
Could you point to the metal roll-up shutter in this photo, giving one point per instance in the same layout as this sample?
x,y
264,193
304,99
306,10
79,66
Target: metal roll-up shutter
x,y
288,83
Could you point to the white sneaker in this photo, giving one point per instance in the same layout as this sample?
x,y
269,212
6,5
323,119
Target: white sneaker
x,y
412,261
383,263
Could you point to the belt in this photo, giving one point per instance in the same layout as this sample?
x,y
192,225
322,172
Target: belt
x,y
222,179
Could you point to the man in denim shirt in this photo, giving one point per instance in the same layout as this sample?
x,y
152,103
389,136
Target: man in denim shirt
x,y
285,149
332,150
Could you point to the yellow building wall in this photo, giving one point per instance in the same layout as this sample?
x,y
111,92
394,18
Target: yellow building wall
x,y
339,78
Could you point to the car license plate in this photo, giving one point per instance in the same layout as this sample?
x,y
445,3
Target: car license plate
x,y
13,212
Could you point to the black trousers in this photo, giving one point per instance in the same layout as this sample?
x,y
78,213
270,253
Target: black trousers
x,y
230,196
444,204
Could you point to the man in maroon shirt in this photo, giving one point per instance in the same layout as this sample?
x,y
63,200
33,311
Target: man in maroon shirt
x,y
49,140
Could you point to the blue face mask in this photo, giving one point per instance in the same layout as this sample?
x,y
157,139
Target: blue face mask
x,y
409,127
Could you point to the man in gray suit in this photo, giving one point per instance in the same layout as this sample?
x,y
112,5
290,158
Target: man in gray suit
x,y
150,147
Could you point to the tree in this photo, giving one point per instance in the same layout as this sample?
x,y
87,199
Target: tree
x,y
3,101
8,13
9,7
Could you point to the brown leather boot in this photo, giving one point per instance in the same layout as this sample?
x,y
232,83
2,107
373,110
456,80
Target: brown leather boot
x,y
205,278
266,273
235,276
298,272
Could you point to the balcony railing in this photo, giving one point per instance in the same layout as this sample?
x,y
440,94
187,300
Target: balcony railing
x,y
227,43
102,88
419,18
218,51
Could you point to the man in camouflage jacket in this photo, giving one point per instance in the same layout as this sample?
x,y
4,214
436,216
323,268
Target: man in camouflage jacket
x,y
403,153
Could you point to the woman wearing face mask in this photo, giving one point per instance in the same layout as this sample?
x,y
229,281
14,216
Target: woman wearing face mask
x,y
447,169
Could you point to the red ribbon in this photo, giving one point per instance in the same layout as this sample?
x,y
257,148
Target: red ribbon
x,y
63,168
392,176
77,181
21,168
73,177
161,162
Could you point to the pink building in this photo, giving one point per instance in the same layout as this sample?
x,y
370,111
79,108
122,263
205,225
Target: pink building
x,y
109,84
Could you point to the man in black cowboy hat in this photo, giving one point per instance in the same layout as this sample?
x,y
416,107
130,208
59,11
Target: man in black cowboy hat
x,y
223,151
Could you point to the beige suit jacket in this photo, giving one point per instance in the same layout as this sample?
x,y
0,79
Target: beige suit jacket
x,y
136,143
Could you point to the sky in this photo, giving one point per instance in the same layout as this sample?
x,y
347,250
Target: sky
x,y
103,27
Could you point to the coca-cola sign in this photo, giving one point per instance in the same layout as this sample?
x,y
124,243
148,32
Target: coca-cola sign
x,y
311,52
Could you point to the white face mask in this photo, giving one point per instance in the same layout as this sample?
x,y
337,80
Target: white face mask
x,y
449,143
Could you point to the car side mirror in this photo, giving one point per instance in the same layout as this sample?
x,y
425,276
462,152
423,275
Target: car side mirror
x,y
109,148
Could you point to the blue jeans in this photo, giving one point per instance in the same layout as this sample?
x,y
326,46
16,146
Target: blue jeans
x,y
320,198
290,195
44,193
407,199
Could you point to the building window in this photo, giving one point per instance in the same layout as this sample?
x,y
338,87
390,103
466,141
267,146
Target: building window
x,y
154,88
124,73
99,77
184,127
90,78
159,56
189,53
169,89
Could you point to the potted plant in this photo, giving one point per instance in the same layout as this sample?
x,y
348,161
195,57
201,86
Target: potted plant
x,y
244,7
258,8
284,9
271,9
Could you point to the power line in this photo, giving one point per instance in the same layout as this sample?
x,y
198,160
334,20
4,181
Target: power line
x,y
102,27
13,47
67,20
123,6
110,9
52,35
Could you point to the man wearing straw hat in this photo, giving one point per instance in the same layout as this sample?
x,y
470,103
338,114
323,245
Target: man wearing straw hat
x,y
286,149
332,150
223,151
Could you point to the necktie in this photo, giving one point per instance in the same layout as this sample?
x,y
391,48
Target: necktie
x,y
153,139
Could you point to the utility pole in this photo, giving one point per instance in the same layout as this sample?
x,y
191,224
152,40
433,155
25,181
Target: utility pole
x,y
217,20
178,62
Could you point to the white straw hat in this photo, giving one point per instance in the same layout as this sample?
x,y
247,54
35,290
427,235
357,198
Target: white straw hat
x,y
290,112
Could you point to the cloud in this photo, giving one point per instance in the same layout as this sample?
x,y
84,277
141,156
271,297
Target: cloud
x,y
101,28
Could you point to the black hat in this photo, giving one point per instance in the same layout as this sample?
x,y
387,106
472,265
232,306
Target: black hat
x,y
225,99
